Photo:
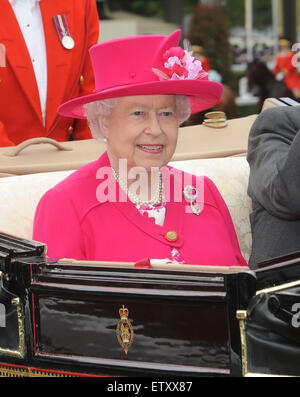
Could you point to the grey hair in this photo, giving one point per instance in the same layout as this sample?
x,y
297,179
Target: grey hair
x,y
104,107
95,109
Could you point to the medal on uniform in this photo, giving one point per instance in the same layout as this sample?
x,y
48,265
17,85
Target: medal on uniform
x,y
61,25
2,56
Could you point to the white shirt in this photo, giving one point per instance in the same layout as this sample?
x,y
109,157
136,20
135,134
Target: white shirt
x,y
29,17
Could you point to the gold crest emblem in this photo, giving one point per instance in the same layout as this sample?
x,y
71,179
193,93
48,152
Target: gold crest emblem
x,y
124,330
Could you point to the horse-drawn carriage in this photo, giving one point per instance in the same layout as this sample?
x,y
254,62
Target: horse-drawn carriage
x,y
71,318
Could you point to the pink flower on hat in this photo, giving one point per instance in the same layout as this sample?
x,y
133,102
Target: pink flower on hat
x,y
179,64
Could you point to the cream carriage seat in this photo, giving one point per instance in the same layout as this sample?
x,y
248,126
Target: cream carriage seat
x,y
19,195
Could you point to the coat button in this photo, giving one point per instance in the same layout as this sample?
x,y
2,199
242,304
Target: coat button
x,y
171,236
81,80
70,130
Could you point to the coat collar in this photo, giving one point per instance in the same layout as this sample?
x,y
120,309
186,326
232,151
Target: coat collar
x,y
59,60
18,56
13,2
174,210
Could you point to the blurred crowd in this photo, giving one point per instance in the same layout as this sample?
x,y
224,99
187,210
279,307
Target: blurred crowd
x,y
268,75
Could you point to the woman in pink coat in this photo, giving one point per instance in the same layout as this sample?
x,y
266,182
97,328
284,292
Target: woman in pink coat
x,y
129,204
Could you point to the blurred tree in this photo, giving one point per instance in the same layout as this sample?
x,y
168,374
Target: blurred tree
x,y
235,13
141,7
189,6
210,30
236,9
173,11
151,7
289,20
262,13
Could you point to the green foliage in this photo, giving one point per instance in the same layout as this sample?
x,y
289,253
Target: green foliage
x,y
262,13
209,29
142,7
152,7
235,11
189,6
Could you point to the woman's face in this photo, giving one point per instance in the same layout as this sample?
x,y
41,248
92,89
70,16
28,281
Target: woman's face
x,y
143,130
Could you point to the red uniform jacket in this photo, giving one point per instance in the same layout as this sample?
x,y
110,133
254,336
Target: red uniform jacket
x,y
283,63
69,73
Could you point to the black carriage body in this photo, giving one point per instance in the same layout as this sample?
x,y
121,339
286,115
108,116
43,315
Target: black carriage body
x,y
68,318
90,319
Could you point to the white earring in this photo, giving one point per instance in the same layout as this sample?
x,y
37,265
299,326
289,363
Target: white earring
x,y
105,140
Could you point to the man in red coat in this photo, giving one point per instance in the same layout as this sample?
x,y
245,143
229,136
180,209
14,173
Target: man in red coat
x,y
284,68
47,62
198,52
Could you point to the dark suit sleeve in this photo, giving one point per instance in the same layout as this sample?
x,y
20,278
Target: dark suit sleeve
x,y
274,159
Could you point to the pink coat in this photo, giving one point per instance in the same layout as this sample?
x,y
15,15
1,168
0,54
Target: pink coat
x,y
74,224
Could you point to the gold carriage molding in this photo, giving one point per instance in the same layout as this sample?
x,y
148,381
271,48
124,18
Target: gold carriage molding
x,y
16,371
70,318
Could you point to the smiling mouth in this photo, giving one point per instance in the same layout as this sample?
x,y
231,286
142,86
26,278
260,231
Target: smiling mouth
x,y
151,148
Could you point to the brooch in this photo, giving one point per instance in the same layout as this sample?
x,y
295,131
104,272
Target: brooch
x,y
190,193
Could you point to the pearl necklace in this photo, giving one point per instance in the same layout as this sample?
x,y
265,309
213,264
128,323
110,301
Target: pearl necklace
x,y
157,198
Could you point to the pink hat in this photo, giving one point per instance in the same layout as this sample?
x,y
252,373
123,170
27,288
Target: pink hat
x,y
146,65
